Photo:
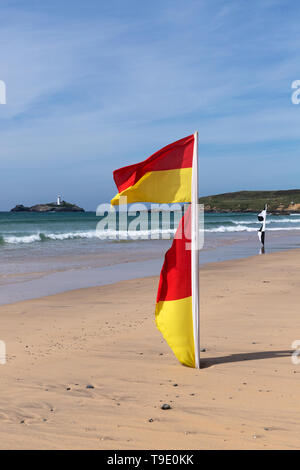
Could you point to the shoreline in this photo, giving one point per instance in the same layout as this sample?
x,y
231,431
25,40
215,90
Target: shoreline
x,y
53,275
244,396
158,262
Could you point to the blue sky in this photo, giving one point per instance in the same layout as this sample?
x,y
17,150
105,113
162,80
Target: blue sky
x,y
95,85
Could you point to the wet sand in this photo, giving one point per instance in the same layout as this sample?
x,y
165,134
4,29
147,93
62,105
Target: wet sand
x,y
32,272
245,396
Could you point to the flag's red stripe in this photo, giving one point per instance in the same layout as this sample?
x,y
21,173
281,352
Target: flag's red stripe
x,y
176,155
175,277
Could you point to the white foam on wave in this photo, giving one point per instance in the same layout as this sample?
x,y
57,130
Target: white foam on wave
x,y
243,228
92,234
123,235
236,228
23,239
269,221
283,228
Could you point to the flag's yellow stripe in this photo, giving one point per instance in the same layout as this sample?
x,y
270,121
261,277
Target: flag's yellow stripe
x,y
174,319
159,186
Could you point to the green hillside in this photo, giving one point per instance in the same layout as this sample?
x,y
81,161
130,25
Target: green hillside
x,y
253,201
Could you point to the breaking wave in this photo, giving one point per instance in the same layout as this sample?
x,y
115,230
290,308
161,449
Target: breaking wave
x,y
123,235
93,234
243,228
269,221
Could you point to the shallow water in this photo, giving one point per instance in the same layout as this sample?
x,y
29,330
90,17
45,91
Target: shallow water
x,y
70,255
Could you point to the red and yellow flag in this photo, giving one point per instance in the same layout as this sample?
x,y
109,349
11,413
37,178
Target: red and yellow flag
x,y
168,176
165,177
173,314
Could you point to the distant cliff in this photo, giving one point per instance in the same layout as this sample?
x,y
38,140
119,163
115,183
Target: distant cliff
x,y
51,207
279,202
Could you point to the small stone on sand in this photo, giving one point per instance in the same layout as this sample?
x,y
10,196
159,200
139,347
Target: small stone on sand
x,y
165,406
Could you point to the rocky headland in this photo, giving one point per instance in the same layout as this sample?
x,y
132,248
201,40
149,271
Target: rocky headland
x,y
50,207
279,202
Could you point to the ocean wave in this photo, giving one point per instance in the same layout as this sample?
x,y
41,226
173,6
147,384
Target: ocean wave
x,y
243,228
282,228
283,221
92,234
269,221
123,235
236,228
22,239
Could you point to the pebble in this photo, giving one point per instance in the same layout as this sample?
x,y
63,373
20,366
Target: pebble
x,y
165,406
90,386
69,388
22,422
175,385
150,420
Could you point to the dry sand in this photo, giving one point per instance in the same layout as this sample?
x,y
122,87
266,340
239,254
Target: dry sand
x,y
245,397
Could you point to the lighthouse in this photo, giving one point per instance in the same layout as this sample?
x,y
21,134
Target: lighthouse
x,y
58,200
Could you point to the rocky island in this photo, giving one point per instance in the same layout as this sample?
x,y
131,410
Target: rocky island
x,y
279,202
63,206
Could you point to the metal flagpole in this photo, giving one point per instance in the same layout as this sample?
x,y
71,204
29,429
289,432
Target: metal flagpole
x,y
195,253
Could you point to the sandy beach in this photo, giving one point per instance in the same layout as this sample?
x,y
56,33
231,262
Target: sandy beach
x,y
245,396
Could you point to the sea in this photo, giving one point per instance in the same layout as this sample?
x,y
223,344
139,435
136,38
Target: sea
x,y
47,253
